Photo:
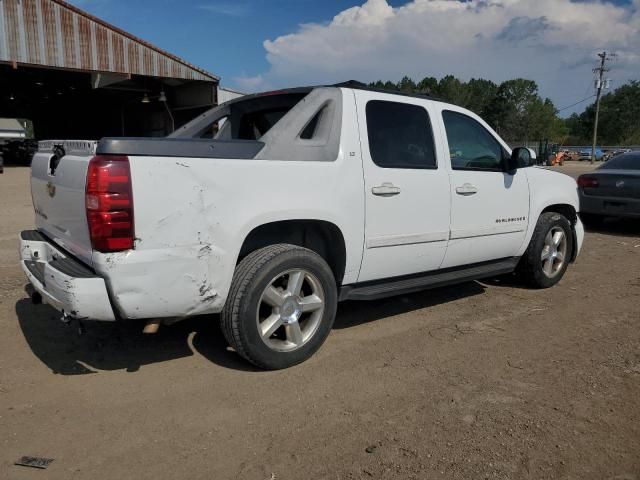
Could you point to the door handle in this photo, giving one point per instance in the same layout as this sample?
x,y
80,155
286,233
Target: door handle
x,y
466,189
386,190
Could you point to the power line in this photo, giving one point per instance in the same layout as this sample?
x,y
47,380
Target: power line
x,y
577,103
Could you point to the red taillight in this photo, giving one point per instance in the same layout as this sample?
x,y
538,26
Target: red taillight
x,y
109,203
585,181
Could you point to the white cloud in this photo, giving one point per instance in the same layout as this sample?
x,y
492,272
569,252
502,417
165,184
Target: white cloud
x,y
249,84
551,41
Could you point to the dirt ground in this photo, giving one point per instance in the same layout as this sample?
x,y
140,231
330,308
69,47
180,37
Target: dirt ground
x,y
480,380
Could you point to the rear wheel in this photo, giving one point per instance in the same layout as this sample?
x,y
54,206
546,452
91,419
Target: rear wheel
x,y
280,307
546,259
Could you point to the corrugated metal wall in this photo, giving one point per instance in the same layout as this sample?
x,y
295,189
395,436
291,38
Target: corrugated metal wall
x,y
224,95
56,34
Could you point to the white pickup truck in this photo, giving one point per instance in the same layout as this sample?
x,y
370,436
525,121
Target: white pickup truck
x,y
271,208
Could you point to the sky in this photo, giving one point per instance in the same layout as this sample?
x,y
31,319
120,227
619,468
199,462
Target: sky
x,y
259,45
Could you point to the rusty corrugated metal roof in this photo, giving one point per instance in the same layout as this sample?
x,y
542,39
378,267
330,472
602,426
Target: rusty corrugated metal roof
x,y
56,34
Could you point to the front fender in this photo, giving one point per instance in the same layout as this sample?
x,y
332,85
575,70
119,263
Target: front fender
x,y
547,189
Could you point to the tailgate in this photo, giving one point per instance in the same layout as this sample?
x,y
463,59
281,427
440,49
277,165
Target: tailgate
x,y
58,191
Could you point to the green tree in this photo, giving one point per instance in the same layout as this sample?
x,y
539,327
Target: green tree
x,y
480,93
508,109
406,85
453,90
542,121
619,122
577,130
28,124
428,85
390,85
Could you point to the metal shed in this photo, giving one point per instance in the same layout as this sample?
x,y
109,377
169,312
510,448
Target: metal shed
x,y
77,76
226,94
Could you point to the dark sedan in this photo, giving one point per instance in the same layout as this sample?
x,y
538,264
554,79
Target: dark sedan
x,y
612,190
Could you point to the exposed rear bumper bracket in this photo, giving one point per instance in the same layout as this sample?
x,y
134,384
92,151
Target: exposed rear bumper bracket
x,y
63,282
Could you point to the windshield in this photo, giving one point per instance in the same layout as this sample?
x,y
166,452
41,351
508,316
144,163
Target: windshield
x,y
627,161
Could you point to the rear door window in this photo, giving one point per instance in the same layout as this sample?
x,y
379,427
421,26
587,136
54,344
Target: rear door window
x,y
400,135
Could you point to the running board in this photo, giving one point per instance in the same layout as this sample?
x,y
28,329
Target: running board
x,y
439,278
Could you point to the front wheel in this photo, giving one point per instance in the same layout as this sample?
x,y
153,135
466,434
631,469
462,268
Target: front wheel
x,y
280,307
547,257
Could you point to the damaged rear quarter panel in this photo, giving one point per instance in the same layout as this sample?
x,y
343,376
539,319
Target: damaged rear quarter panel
x,y
193,214
164,282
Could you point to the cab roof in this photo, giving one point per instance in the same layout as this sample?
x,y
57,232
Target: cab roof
x,y
353,84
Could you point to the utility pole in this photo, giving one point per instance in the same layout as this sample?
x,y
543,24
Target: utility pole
x,y
599,71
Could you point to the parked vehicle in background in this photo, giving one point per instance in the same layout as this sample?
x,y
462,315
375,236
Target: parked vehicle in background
x,y
18,151
613,189
301,198
574,155
608,153
12,133
615,153
561,157
585,154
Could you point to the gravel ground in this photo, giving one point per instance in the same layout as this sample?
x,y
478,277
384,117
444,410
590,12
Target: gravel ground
x,y
480,380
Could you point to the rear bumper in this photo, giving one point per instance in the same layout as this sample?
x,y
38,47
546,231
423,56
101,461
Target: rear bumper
x,y
64,283
610,206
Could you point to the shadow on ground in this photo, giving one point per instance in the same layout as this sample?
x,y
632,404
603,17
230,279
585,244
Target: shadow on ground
x,y
122,346
352,313
624,227
118,345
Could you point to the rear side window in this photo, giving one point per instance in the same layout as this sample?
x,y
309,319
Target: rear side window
x,y
400,135
253,125
213,130
471,146
241,119
309,131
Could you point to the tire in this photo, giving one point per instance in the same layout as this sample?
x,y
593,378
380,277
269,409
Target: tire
x,y
534,268
281,306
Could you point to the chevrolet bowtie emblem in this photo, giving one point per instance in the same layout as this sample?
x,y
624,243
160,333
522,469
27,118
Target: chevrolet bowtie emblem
x,y
620,183
51,188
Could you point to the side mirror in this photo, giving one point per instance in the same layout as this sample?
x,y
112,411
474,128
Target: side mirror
x,y
520,157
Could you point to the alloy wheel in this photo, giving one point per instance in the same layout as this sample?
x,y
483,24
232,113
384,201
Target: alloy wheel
x,y
290,310
554,252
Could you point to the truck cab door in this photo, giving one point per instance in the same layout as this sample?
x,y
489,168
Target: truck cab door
x,y
489,206
407,189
